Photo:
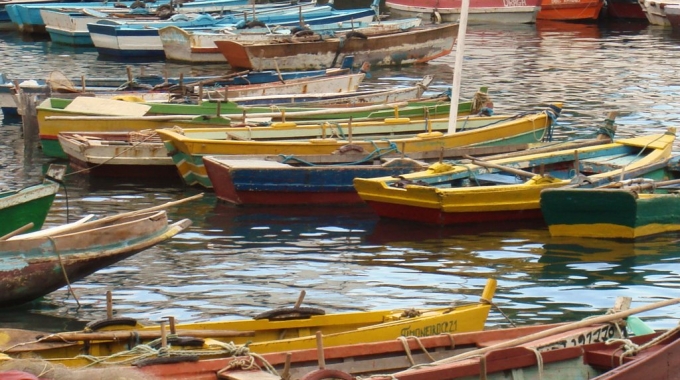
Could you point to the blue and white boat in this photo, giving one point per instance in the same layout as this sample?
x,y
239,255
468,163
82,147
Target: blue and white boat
x,y
140,39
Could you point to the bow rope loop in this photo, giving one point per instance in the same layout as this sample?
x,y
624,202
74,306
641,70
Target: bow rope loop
x,y
552,112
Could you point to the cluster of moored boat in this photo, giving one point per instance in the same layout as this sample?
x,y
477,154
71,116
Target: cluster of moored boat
x,y
292,126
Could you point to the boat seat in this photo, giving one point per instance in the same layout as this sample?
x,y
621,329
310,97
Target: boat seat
x,y
496,178
247,375
605,163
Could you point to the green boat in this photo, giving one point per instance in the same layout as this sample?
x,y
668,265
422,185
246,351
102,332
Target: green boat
x,y
25,210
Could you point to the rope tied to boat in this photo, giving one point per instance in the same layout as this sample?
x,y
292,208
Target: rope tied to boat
x,y
63,268
553,112
483,300
248,362
631,349
539,361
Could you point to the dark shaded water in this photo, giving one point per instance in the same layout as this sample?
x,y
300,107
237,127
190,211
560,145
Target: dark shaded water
x,y
236,262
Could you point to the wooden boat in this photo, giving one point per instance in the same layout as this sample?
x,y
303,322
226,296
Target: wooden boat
x,y
625,9
580,10
194,46
509,189
31,204
402,136
673,15
298,180
33,265
131,39
655,10
69,25
416,45
624,210
479,11
87,115
118,154
278,330
598,341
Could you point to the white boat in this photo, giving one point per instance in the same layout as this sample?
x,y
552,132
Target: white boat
x,y
656,11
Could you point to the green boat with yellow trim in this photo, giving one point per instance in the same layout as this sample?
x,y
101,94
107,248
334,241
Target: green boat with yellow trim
x,y
638,208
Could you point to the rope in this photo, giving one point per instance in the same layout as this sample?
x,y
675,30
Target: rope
x,y
539,361
63,269
631,348
486,301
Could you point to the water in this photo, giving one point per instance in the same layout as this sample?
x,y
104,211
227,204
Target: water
x,y
237,262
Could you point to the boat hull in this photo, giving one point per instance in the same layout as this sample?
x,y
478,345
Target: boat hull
x,y
609,213
485,11
626,9
418,45
29,205
561,10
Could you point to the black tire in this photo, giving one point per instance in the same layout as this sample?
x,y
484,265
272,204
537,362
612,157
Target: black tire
x,y
298,29
122,321
137,4
288,313
184,341
327,374
303,33
255,24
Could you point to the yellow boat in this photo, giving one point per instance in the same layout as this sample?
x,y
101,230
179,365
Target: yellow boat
x,y
396,135
509,189
116,344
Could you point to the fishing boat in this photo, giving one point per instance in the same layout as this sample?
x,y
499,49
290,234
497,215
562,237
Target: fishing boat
x,y
655,10
416,45
625,9
29,206
195,46
327,179
398,135
480,11
592,346
88,115
39,263
141,39
580,10
673,15
69,25
508,189
277,330
628,209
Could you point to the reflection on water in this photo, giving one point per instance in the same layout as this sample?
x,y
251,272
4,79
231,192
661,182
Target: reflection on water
x,y
236,262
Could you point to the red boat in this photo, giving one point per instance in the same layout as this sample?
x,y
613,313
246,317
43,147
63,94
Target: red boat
x,y
570,10
628,9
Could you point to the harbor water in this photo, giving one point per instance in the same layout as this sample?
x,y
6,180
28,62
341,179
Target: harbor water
x,y
236,262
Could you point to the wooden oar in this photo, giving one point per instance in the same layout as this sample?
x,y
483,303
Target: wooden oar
x,y
150,209
17,231
560,329
486,164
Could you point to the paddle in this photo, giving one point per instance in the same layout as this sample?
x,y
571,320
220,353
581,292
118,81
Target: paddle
x,y
560,329
17,231
486,164
150,209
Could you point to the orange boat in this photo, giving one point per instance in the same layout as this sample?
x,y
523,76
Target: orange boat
x,y
570,10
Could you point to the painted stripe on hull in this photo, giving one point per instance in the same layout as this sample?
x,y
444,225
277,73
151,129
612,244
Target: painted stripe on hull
x,y
436,216
611,231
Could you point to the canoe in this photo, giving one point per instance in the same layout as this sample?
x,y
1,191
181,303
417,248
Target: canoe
x,y
33,266
633,209
509,189
396,135
299,180
183,45
31,204
88,115
278,330
579,10
416,45
479,11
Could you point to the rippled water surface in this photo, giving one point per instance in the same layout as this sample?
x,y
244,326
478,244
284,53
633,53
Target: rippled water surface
x,y
237,262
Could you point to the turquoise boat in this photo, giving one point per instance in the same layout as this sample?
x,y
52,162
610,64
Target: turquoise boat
x,y
19,208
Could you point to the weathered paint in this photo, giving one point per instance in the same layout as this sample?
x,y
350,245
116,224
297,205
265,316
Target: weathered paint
x,y
417,45
76,253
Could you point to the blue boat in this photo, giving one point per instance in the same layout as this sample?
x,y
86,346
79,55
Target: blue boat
x,y
141,39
